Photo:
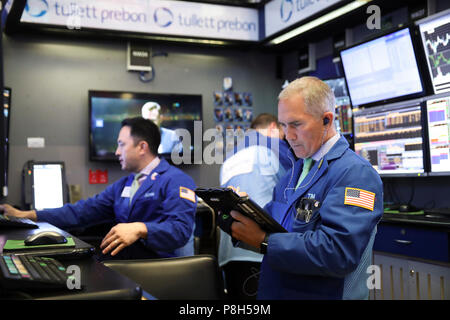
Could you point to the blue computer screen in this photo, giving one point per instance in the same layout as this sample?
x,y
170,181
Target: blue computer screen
x,y
382,69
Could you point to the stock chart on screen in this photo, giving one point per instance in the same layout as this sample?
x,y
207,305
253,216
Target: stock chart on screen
x,y
435,33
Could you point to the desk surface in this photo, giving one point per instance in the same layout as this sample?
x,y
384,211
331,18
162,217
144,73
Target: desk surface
x,y
7,233
97,281
424,220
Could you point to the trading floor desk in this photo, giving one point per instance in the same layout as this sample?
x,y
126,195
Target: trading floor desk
x,y
97,281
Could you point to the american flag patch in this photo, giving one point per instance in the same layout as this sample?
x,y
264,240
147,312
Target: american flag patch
x,y
187,194
360,198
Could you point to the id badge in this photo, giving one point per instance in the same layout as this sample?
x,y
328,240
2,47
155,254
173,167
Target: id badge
x,y
126,192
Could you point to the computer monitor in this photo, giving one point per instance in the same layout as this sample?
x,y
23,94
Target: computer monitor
x,y
49,188
391,138
343,107
435,33
169,111
382,70
6,110
438,127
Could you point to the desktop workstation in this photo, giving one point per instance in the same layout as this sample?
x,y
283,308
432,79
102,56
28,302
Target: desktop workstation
x,y
405,163
37,259
96,280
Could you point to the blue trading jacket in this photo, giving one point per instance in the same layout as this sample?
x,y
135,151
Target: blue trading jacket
x,y
161,202
270,160
326,258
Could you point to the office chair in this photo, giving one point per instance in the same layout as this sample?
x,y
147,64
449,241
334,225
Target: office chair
x,y
182,278
205,234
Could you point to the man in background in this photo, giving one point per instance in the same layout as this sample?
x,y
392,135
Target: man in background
x,y
169,139
255,167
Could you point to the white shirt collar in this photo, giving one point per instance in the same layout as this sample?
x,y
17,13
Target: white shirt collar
x,y
323,150
151,166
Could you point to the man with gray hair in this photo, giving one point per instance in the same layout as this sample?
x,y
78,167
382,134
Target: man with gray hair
x,y
330,206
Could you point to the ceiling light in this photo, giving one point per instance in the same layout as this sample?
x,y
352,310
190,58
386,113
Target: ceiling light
x,y
319,21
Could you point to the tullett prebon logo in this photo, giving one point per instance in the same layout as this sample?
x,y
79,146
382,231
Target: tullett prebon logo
x,y
286,10
36,8
163,17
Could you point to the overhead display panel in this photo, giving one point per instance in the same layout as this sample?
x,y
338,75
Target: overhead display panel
x,y
285,13
161,17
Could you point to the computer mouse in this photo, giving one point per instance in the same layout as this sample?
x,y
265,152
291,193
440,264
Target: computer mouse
x,y
45,237
403,208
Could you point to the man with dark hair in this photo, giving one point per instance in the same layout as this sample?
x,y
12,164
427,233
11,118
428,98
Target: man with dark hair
x,y
153,207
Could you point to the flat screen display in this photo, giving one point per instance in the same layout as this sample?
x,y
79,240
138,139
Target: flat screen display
x,y
435,33
169,111
382,69
438,122
343,106
390,137
5,144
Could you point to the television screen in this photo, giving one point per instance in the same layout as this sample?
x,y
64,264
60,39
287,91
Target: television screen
x,y
438,122
435,33
382,69
390,137
168,111
343,106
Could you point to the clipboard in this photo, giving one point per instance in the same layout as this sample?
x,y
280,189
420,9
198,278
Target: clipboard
x,y
225,199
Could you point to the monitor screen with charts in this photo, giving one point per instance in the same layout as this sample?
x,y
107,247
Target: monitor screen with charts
x,y
438,122
48,185
435,33
391,138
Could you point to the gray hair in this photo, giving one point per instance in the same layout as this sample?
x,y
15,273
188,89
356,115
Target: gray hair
x,y
317,95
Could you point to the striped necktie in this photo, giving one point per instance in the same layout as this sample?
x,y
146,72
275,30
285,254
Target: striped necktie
x,y
135,185
307,164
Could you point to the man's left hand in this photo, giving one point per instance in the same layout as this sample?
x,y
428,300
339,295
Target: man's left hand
x,y
122,235
246,230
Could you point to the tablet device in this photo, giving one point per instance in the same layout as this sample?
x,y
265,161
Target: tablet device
x,y
223,200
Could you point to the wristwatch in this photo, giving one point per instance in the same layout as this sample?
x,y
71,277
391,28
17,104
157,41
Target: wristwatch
x,y
264,245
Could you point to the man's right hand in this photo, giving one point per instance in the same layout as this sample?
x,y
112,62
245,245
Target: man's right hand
x,y
9,210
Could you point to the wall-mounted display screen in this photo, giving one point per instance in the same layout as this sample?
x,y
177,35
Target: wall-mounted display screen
x,y
168,111
435,33
382,69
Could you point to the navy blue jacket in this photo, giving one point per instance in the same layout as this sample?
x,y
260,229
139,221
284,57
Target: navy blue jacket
x,y
327,257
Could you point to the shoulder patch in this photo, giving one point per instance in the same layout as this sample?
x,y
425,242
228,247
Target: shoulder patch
x,y
187,194
360,198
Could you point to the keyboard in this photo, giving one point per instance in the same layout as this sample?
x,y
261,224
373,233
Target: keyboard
x,y
438,211
14,222
31,272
